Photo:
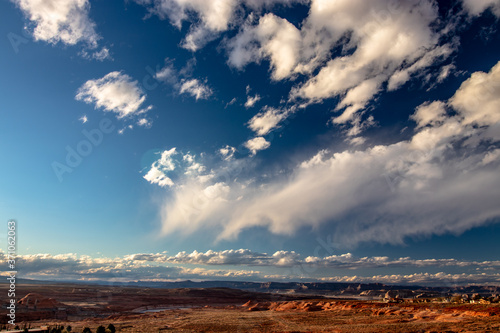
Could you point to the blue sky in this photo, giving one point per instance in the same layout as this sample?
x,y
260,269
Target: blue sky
x,y
252,139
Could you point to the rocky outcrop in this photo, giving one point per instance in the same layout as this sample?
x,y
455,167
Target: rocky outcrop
x,y
38,302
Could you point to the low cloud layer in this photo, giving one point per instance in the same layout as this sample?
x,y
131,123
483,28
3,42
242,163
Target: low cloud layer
x,y
290,258
164,267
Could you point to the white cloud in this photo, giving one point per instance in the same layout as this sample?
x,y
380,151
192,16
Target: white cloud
x,y
181,166
390,42
381,42
83,119
213,17
256,144
430,114
167,74
251,100
267,120
128,268
291,258
64,21
208,18
115,92
145,122
231,102
157,176
490,157
436,279
195,88
476,7
102,55
277,39
227,152
478,98
260,4
155,266
180,81
357,141
403,75
442,180
159,169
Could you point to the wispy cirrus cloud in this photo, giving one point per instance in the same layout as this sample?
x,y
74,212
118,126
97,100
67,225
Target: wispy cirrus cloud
x,y
195,88
181,81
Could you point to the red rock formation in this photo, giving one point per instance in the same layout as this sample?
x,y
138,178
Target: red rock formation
x,y
37,301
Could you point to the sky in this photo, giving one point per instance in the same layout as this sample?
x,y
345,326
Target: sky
x,y
252,140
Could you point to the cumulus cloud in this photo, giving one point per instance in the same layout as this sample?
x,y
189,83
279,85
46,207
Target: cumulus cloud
x,y
159,169
251,100
208,18
65,21
145,122
267,120
212,17
476,7
277,39
436,279
180,166
478,98
256,144
235,257
115,92
391,43
444,179
430,114
120,269
164,267
195,88
248,257
381,42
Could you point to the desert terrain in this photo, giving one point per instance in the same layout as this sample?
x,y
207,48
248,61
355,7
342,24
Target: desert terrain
x,y
133,309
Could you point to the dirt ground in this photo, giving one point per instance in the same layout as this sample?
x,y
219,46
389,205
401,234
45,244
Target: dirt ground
x,y
346,317
230,310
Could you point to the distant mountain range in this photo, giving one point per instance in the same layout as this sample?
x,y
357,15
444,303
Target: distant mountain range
x,y
339,289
